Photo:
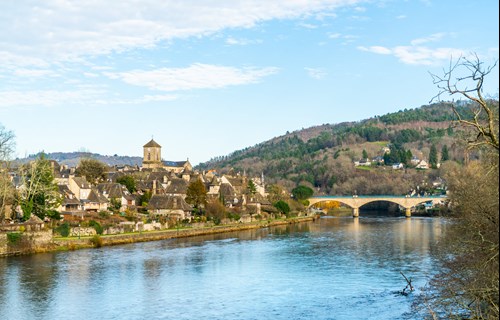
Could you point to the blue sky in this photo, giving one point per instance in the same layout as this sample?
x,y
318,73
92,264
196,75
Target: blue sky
x,y
206,78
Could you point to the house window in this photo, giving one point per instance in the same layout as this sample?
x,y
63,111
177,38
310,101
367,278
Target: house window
x,y
149,156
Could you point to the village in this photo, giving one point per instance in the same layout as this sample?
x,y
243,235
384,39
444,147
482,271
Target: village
x,y
158,200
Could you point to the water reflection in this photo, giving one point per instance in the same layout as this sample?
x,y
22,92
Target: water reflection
x,y
333,268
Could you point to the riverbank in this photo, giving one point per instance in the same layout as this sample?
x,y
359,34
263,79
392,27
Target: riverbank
x,y
75,243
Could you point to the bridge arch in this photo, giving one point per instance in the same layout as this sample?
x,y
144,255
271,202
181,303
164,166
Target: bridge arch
x,y
355,202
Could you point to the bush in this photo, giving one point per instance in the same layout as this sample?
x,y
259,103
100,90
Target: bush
x,y
282,207
97,226
63,229
96,241
14,237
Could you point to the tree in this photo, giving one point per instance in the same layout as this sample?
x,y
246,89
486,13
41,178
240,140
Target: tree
x,y
282,207
6,143
302,193
433,157
6,187
93,170
465,78
196,194
251,188
39,192
128,181
468,287
444,154
365,154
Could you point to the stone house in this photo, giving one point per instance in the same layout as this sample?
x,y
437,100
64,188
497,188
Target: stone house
x,y
119,193
80,187
172,206
95,202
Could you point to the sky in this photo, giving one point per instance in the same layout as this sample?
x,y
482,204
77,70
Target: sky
x,y
205,78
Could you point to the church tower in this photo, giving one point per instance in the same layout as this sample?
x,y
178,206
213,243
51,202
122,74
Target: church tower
x,y
152,155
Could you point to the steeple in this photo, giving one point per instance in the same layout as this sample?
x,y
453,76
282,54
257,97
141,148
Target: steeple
x,y
152,155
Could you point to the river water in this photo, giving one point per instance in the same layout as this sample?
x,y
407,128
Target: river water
x,y
332,268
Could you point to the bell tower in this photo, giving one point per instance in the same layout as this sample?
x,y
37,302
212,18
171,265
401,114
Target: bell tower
x,y
152,155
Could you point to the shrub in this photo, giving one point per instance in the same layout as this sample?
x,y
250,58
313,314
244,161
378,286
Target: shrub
x,y
97,226
14,237
96,241
63,229
282,207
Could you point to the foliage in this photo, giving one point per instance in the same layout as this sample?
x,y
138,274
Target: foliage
x,y
196,194
302,193
252,189
115,204
54,214
93,170
215,209
40,192
144,198
445,156
14,237
433,157
398,154
63,229
129,182
97,226
282,207
96,241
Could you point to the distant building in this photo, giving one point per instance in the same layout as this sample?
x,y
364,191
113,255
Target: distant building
x,y
152,159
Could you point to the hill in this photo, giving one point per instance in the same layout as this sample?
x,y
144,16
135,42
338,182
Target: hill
x,y
323,156
73,158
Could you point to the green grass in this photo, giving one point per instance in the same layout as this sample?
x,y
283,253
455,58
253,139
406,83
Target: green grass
x,y
366,168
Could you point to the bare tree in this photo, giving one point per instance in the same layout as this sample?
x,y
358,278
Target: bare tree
x,y
6,150
465,78
467,285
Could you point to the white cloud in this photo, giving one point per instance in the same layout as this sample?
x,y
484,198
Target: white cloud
x,y
54,30
416,53
42,98
196,76
432,38
241,41
33,73
376,49
86,95
316,73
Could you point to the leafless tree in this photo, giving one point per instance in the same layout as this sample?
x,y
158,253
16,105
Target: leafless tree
x,y
6,149
465,78
467,286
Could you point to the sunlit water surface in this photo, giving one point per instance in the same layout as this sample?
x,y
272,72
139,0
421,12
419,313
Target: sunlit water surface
x,y
333,268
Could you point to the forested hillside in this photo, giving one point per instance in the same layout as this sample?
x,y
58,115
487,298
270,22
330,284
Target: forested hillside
x,y
323,157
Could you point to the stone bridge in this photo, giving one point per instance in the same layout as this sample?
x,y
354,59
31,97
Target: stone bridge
x,y
355,202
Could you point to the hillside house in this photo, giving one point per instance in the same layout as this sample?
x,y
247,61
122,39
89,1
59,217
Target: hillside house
x,y
422,165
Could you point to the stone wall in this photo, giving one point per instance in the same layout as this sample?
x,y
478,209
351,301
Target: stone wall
x,y
24,242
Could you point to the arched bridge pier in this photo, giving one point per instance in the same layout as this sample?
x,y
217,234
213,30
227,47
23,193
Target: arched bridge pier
x,y
355,202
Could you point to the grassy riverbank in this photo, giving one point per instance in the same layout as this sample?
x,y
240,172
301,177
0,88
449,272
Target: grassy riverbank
x,y
74,243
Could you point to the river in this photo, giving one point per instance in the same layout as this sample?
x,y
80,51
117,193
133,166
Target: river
x,y
332,268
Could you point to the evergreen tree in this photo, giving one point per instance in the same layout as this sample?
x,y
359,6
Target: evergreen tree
x,y
365,154
444,154
433,157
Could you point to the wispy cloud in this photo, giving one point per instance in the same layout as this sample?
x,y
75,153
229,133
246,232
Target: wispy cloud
x,y
417,53
56,30
242,41
196,76
316,73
